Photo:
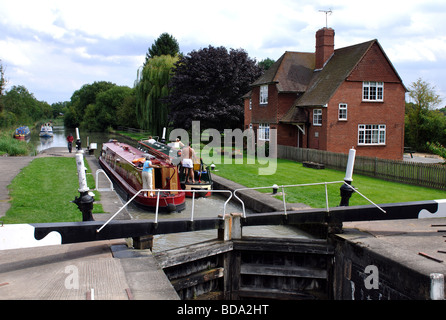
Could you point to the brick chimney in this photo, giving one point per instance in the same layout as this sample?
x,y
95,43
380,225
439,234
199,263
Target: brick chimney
x,y
324,46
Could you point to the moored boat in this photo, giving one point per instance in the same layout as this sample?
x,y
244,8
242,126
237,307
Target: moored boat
x,y
202,175
22,133
123,163
46,130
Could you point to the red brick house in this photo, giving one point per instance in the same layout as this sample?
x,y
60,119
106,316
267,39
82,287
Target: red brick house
x,y
331,100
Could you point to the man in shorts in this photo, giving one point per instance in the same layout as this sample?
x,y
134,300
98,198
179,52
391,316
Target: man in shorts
x,y
187,156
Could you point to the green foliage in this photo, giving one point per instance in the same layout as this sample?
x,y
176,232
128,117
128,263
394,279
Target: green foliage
x,y
11,146
95,107
422,122
21,107
81,99
265,64
151,88
164,45
437,148
208,86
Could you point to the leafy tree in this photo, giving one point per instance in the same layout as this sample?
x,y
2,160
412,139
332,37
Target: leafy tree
x,y
437,148
81,99
102,114
164,45
151,89
422,123
265,64
208,85
126,112
21,107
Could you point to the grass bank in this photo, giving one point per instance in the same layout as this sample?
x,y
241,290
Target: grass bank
x,y
42,192
290,173
11,146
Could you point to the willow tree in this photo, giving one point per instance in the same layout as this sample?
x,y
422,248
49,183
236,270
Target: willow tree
x,y
151,87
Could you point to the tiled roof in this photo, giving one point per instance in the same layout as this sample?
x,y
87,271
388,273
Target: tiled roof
x,y
292,72
326,81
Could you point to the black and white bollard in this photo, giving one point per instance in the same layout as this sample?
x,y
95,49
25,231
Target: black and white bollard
x,y
86,199
346,191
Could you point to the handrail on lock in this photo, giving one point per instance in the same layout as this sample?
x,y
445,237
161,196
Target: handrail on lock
x,y
158,191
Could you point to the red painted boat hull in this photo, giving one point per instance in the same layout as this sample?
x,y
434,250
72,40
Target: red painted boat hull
x,y
128,177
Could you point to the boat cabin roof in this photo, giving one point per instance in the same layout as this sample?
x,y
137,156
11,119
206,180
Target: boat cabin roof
x,y
128,152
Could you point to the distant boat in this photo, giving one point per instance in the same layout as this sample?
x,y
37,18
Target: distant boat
x,y
22,132
46,130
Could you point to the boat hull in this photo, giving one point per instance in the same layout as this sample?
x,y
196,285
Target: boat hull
x,y
128,182
22,133
46,130
203,190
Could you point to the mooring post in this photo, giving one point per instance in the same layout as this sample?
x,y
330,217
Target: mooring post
x,y
225,232
346,191
437,286
143,242
236,225
86,199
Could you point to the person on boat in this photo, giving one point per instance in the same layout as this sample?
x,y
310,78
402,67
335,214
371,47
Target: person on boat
x,y
70,140
151,140
147,170
179,143
187,156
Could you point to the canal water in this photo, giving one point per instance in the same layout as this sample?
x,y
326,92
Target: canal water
x,y
203,207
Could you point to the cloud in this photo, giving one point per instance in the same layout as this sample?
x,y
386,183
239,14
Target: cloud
x,y
54,47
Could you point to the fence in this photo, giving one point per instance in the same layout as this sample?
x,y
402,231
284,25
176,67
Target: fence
x,y
421,174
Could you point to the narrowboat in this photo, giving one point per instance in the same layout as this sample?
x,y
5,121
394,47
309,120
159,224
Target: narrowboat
x,y
22,133
46,130
202,174
123,164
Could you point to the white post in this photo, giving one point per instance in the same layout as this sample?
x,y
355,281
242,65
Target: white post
x,y
81,172
350,165
77,134
437,286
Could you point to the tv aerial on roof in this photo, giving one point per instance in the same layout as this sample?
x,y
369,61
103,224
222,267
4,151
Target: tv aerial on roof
x,y
327,12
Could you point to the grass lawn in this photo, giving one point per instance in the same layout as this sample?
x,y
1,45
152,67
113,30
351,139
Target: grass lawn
x,y
289,173
42,192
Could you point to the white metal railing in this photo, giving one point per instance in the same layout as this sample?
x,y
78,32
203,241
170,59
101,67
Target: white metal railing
x,y
97,181
158,191
301,185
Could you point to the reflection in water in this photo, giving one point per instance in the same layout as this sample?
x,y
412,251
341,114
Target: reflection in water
x,y
204,207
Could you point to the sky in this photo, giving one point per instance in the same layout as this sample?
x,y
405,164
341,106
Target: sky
x,y
54,47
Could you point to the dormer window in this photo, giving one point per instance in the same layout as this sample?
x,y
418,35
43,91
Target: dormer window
x,y
264,94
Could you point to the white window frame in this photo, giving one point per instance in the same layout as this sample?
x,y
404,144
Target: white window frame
x,y
342,112
371,134
263,131
250,104
373,91
263,94
317,117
